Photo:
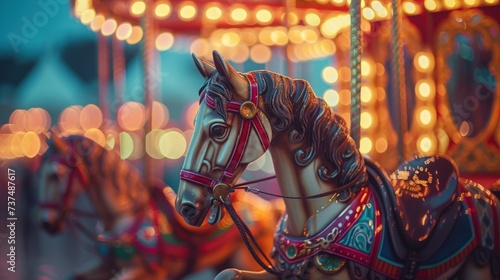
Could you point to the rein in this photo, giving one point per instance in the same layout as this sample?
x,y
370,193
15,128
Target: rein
x,y
258,191
221,188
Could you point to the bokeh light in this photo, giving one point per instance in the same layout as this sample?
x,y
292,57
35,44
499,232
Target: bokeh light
x,y
30,144
90,117
426,144
213,12
173,144
108,27
164,41
124,31
331,97
131,116
130,146
330,75
135,35
159,115
260,53
239,14
365,145
96,135
138,8
153,143
187,11
264,16
69,120
162,10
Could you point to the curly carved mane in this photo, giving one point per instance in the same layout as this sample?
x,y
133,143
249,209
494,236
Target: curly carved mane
x,y
292,106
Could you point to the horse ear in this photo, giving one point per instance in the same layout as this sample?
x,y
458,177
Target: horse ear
x,y
227,71
204,66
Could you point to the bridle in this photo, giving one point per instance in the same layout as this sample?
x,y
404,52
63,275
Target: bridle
x,y
78,171
75,163
221,188
248,110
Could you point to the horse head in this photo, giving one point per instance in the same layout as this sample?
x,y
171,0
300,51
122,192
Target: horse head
x,y
231,130
62,175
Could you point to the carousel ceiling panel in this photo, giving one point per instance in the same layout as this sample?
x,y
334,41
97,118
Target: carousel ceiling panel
x,y
237,26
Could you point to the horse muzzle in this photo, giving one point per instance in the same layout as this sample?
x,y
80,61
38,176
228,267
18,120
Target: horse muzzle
x,y
192,206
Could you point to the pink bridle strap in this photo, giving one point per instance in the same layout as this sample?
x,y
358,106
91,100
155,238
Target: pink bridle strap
x,y
75,172
241,141
196,178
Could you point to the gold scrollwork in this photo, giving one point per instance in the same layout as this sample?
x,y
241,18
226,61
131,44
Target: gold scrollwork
x,y
472,153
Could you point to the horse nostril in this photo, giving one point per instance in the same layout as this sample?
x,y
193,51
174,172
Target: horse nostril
x,y
188,211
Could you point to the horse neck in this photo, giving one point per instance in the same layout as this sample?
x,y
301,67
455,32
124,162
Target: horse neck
x,y
305,216
116,191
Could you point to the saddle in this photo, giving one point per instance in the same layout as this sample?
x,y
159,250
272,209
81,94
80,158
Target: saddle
x,y
419,202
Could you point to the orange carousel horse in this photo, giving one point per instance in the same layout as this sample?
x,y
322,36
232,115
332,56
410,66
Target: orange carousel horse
x,y
345,217
142,237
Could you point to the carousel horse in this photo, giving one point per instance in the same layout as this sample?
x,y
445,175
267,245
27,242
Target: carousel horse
x,y
345,217
142,235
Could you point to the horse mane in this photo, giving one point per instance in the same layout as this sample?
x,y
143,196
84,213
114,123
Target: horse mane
x,y
100,162
293,105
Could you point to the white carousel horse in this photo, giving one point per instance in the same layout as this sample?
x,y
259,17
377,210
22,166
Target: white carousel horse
x,y
143,237
345,217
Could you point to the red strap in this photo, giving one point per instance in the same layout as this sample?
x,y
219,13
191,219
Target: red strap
x,y
197,178
241,141
239,149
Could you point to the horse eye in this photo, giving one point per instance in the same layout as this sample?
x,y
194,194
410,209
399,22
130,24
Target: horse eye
x,y
218,131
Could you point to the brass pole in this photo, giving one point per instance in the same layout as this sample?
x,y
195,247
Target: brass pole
x,y
398,74
356,51
103,73
148,53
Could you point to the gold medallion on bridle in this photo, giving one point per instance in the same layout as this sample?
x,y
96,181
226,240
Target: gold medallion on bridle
x,y
221,191
248,110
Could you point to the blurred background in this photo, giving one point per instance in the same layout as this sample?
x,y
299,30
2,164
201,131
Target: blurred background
x,y
95,68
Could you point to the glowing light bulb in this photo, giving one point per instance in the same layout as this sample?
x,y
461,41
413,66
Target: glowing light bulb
x,y
87,16
135,35
138,8
213,13
264,16
331,97
164,41
239,14
108,27
187,11
162,10
365,145
330,74
124,31
312,19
